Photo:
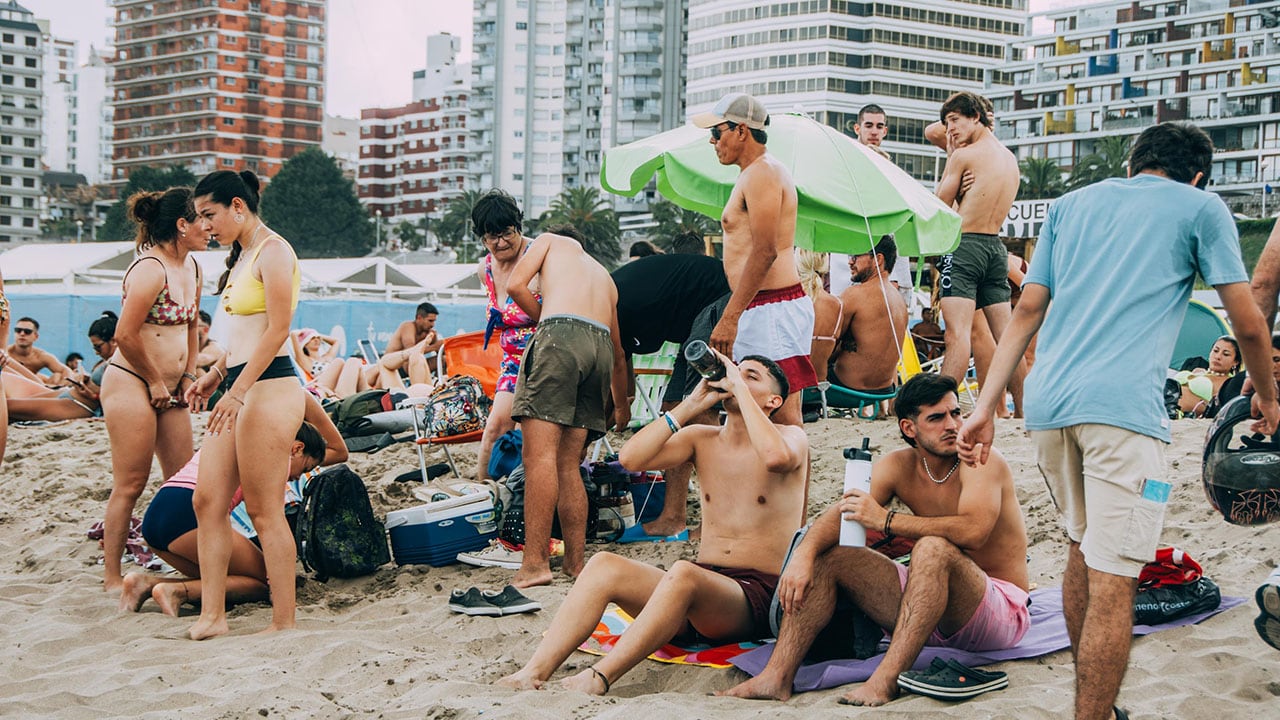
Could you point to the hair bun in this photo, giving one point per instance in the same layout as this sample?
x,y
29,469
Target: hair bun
x,y
143,206
109,314
250,180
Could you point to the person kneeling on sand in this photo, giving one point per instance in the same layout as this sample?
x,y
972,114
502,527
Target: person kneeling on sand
x,y
169,526
967,584
752,474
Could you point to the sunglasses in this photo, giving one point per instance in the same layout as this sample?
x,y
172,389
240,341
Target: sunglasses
x,y
24,331
716,132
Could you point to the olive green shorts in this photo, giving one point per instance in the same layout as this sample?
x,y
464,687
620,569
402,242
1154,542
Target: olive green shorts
x,y
564,375
978,270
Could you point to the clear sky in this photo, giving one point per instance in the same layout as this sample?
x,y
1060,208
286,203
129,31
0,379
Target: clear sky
x,y
374,45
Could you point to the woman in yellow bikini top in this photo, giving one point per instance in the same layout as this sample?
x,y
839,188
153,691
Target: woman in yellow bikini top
x,y
252,426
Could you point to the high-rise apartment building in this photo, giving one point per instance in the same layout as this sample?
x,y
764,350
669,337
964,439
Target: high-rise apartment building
x,y
555,82
59,70
829,58
92,123
21,73
217,84
413,158
1114,68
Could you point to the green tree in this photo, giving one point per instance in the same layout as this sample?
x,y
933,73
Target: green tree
x,y
1106,161
117,225
1041,179
586,210
674,220
454,227
316,208
407,233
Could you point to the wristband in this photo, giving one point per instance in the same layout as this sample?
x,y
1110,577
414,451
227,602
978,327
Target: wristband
x,y
189,376
671,423
888,520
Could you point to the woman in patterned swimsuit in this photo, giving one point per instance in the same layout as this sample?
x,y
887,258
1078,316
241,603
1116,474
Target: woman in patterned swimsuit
x,y
497,221
154,362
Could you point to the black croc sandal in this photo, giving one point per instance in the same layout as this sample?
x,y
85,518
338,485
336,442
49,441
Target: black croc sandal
x,y
952,681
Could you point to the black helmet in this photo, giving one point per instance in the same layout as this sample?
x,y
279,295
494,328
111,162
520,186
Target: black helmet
x,y
1242,483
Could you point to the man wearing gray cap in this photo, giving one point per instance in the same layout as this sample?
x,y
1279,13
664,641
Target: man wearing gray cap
x,y
767,312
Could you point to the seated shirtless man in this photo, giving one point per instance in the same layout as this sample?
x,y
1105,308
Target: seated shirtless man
x,y
967,584
752,475
868,347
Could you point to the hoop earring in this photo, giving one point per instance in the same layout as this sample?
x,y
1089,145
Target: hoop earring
x,y
239,218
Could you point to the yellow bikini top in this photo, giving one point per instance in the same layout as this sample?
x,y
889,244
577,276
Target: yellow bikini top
x,y
244,294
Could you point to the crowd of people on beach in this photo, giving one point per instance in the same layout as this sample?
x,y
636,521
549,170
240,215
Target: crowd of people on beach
x,y
775,325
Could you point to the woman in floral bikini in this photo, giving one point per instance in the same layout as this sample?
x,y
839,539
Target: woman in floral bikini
x,y
497,221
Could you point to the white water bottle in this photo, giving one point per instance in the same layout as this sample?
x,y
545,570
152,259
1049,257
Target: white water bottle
x,y
857,476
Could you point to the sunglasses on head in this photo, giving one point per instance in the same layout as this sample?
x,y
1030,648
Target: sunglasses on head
x,y
24,331
716,132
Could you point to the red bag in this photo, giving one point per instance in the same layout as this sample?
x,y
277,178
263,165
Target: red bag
x,y
1171,567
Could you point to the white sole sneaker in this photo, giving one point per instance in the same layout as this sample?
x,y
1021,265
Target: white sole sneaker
x,y
496,555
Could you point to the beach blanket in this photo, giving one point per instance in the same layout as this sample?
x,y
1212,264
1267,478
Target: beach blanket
x,y
1048,633
615,621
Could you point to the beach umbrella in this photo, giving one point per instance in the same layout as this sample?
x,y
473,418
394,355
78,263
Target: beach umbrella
x,y
849,194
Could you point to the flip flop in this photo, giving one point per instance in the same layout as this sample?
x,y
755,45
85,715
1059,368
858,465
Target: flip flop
x,y
636,534
953,681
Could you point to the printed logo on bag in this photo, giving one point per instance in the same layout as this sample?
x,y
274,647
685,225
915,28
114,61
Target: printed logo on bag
x,y
1260,459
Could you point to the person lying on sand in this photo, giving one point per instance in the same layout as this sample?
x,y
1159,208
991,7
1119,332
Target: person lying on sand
x,y
169,527
752,474
967,584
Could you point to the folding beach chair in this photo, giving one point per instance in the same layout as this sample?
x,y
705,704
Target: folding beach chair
x,y
462,354
653,372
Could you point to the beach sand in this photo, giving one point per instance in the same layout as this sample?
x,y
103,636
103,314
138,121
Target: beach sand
x,y
387,646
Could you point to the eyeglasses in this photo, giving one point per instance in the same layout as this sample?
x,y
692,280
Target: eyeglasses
x,y
97,347
24,331
509,233
716,132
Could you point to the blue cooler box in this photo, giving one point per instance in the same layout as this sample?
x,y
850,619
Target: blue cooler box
x,y
434,534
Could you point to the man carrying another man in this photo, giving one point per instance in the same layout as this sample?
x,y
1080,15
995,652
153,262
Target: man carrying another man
x,y
869,346
752,474
767,313
967,583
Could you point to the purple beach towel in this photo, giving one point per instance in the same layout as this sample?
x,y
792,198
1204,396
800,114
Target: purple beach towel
x,y
1047,634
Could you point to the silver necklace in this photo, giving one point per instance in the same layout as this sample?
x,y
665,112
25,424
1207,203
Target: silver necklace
x,y
944,477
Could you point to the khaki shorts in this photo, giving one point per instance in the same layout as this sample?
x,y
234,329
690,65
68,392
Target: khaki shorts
x,y
564,375
1097,475
977,270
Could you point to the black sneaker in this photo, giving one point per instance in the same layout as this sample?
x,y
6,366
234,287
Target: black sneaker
x,y
472,602
1268,621
510,601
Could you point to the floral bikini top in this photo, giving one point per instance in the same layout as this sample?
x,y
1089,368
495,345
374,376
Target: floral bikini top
x,y
165,311
509,316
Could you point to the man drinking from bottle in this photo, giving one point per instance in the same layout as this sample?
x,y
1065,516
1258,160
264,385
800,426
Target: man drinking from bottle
x,y
967,583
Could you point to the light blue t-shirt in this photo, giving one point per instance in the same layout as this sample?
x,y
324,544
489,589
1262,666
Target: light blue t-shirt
x,y
1120,258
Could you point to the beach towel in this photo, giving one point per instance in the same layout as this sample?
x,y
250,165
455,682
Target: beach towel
x,y
1048,633
615,621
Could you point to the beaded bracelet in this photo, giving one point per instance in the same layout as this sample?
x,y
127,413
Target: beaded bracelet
x,y
888,520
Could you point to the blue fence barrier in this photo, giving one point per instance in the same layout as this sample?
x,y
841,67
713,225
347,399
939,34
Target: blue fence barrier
x,y
65,319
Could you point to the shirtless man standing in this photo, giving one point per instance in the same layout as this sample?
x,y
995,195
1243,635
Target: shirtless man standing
x,y
572,363
767,312
967,584
975,276
868,347
752,474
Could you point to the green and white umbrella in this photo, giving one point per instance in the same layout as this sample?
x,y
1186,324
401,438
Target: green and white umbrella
x,y
849,195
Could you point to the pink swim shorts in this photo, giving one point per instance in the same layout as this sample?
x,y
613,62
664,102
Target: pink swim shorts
x,y
998,623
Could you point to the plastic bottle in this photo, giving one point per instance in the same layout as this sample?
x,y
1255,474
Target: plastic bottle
x,y
857,476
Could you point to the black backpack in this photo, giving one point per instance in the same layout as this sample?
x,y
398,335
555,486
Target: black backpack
x,y
337,533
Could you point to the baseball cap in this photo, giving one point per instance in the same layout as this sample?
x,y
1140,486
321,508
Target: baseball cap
x,y
735,108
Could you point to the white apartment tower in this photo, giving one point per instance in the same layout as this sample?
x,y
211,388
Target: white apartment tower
x,y
829,58
555,82
1112,69
21,72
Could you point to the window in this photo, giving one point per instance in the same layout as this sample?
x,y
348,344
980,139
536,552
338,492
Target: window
x,y
228,162
31,41
230,81
6,219
6,180
6,160
6,139
6,59
6,79
30,82
31,162
228,121
28,222
30,62
28,182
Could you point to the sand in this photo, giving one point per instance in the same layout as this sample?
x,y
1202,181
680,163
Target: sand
x,y
387,646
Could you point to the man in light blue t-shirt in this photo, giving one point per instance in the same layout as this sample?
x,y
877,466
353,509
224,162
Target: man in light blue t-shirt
x,y
1118,259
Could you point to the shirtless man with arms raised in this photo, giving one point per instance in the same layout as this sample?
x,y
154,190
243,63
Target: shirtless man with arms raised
x,y
867,350
975,276
752,475
967,584
573,362
767,312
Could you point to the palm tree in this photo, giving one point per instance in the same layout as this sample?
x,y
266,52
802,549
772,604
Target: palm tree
x,y
454,227
1041,179
583,208
674,220
1106,161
